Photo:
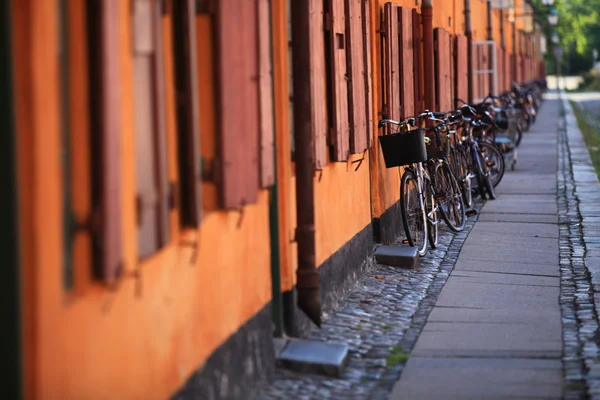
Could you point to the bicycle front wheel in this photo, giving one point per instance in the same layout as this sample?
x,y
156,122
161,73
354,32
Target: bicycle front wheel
x,y
450,201
413,213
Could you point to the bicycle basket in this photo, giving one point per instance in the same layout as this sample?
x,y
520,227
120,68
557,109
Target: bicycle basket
x,y
437,151
403,148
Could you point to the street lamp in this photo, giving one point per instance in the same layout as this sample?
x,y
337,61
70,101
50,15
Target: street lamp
x,y
555,38
548,2
553,17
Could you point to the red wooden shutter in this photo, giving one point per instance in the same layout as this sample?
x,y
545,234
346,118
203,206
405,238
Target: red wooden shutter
x,y
184,39
267,132
462,70
418,72
341,128
406,62
238,98
149,127
507,70
366,31
486,65
110,235
442,78
317,83
356,77
392,59
475,66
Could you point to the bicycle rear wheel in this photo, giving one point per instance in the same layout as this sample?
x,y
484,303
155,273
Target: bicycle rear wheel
x,y
413,213
494,160
431,209
451,206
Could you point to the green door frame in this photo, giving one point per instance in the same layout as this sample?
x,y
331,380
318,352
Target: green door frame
x,y
10,289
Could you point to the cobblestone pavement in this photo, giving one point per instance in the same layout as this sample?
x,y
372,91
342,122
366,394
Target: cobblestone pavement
x,y
384,315
579,216
380,321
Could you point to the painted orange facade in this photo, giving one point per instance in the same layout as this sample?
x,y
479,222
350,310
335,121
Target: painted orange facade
x,y
143,337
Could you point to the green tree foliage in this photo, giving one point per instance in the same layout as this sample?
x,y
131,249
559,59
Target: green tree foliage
x,y
578,29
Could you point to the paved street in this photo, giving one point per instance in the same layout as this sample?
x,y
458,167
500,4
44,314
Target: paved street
x,y
496,330
506,309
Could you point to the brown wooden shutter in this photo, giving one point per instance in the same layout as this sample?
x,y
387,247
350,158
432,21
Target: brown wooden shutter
x,y
318,72
341,129
407,82
188,109
485,65
151,169
442,76
238,98
265,69
392,59
356,76
417,54
475,66
366,31
462,71
500,69
507,70
110,236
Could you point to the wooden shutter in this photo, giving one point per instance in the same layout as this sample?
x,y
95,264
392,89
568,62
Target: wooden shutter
x,y
265,78
110,237
317,74
406,62
485,65
188,109
152,185
392,59
356,76
337,41
507,70
461,70
442,76
417,54
238,98
474,67
366,31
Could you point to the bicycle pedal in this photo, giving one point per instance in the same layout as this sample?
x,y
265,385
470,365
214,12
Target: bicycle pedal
x,y
471,213
405,241
491,163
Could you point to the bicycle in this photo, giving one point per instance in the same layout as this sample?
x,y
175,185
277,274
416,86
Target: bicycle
x,y
417,197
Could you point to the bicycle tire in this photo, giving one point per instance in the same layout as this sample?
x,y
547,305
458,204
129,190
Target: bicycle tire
x,y
462,174
415,227
492,153
483,173
452,207
431,208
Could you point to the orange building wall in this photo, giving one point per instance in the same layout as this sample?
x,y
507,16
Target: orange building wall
x,y
144,337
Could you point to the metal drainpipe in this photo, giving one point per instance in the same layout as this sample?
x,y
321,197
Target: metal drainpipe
x,y
469,34
490,36
307,274
503,47
514,51
427,15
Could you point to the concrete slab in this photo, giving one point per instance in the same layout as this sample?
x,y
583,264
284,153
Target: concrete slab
x,y
499,315
396,256
504,253
457,378
516,229
505,267
484,339
503,279
493,296
316,357
520,218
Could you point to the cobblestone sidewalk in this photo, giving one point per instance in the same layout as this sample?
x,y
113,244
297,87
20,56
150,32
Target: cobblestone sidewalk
x,y
380,321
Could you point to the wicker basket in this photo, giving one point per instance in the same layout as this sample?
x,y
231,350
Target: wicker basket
x,y
403,148
435,150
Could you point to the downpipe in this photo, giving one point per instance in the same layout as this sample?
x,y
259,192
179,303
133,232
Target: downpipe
x,y
428,51
469,35
307,275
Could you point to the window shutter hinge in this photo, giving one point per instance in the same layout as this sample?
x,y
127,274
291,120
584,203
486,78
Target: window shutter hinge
x,y
327,21
204,7
209,169
139,208
172,195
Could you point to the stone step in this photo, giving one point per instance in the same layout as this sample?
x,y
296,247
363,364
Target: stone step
x,y
312,356
396,256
